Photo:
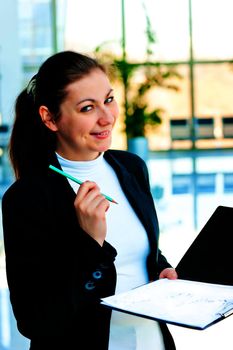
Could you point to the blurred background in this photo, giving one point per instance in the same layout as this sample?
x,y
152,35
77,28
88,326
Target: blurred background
x,y
173,79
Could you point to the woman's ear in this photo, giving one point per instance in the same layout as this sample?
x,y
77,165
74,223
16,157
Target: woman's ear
x,y
47,118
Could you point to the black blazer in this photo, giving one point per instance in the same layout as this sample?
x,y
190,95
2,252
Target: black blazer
x,y
56,272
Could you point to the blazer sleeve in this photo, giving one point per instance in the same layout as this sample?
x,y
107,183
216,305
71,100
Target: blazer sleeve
x,y
54,269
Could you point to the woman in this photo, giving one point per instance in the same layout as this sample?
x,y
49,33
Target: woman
x,y
66,245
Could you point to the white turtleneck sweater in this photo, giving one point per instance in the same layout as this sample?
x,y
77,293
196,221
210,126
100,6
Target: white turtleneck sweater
x,y
127,235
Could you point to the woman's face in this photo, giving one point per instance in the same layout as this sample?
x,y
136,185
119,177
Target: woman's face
x,y
88,115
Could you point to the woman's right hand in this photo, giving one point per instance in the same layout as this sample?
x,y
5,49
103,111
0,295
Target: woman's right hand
x,y
91,207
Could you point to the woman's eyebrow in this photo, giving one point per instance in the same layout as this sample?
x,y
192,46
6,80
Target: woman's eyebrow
x,y
92,99
111,90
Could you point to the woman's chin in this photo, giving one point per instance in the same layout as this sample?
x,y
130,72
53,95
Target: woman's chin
x,y
105,146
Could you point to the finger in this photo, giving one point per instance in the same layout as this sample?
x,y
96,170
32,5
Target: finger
x,y
84,189
95,204
92,204
103,204
173,275
170,274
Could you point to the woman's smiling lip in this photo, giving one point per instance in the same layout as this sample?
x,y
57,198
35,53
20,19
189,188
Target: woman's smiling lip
x,y
102,134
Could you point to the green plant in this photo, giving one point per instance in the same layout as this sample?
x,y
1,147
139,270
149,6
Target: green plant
x,y
139,79
138,111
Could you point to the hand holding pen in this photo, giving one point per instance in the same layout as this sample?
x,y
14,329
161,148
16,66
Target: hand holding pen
x,y
61,172
91,206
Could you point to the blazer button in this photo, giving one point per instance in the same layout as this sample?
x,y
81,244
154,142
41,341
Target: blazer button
x,y
90,285
97,275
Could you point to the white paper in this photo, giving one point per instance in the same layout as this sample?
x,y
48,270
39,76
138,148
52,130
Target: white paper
x,y
182,302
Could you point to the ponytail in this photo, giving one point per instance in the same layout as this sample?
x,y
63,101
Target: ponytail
x,y
30,140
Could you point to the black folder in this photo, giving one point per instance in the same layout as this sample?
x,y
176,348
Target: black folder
x,y
210,257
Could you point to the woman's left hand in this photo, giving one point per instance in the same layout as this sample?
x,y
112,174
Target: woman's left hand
x,y
169,273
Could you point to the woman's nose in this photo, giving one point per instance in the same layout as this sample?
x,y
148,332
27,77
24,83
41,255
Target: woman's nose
x,y
106,117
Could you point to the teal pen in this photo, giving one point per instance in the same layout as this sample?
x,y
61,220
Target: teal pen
x,y
61,172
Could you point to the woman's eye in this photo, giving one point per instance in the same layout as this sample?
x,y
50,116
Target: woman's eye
x,y
86,108
109,99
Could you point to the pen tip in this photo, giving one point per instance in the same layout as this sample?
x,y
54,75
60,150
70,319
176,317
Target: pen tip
x,y
114,201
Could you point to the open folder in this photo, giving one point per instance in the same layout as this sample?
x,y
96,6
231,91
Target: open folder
x,y
203,294
185,303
